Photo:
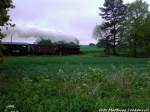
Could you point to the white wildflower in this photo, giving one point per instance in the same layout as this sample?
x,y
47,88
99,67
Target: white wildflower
x,y
85,85
10,106
60,71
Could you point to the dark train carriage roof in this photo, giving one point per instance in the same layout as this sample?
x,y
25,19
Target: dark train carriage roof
x,y
15,43
38,45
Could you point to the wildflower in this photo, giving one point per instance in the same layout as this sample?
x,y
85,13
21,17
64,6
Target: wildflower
x,y
60,71
10,108
78,87
85,85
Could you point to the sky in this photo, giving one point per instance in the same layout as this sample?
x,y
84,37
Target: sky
x,y
72,17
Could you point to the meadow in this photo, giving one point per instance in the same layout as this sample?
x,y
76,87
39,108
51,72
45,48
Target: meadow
x,y
76,83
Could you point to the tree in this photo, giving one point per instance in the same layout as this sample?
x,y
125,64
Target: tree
x,y
5,5
44,42
91,44
103,38
136,24
113,13
97,32
144,34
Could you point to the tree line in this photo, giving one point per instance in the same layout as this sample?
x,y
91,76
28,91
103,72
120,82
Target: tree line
x,y
125,29
51,43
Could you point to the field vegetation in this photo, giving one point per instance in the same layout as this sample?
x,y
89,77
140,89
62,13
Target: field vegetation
x,y
77,83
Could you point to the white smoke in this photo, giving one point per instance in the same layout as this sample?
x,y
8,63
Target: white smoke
x,y
39,33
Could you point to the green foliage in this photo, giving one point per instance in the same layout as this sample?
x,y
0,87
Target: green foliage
x,y
44,42
104,41
5,5
4,17
135,34
126,31
75,92
57,44
91,44
113,13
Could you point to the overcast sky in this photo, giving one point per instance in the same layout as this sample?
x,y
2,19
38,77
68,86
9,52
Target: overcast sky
x,y
72,17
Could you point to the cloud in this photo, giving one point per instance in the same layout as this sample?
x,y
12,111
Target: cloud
x,y
73,17
38,33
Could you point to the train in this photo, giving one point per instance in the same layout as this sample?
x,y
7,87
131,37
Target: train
x,y
22,49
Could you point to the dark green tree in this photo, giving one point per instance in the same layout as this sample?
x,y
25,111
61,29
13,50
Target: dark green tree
x,y
44,42
144,36
5,5
136,25
113,13
91,44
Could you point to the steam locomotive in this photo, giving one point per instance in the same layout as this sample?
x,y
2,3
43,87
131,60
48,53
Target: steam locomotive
x,y
22,49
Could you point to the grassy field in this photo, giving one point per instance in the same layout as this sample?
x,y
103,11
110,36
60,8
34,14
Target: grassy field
x,y
77,83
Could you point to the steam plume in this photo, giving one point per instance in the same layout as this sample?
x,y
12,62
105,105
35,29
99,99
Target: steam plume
x,y
39,33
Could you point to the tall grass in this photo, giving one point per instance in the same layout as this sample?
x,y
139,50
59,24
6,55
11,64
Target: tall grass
x,y
76,92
